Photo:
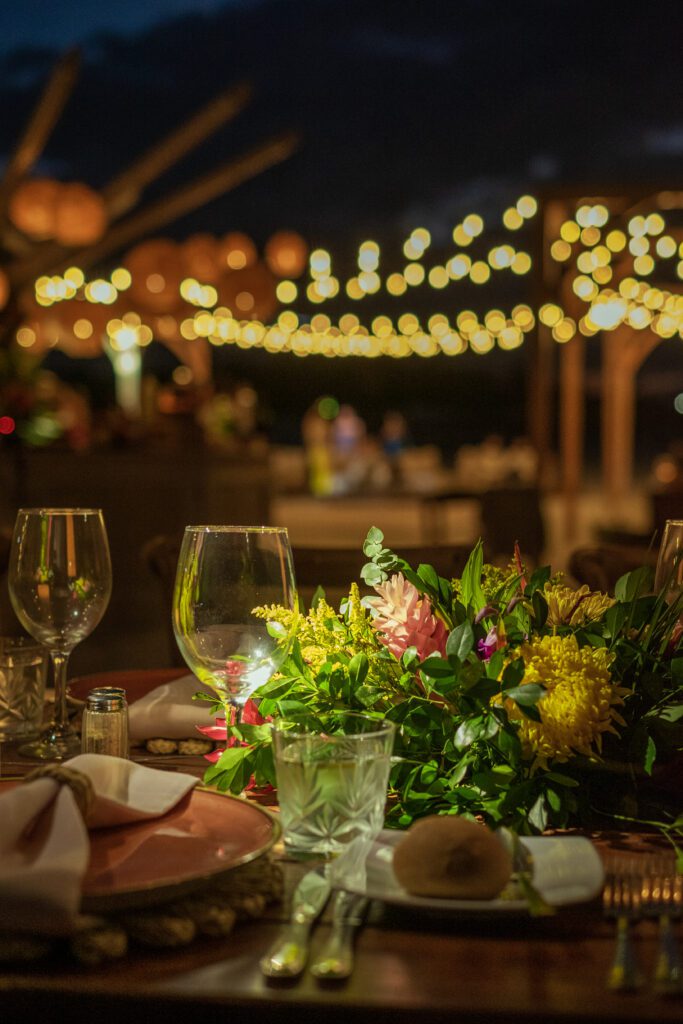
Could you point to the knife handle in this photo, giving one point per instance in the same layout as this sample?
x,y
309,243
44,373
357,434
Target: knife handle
x,y
287,957
336,958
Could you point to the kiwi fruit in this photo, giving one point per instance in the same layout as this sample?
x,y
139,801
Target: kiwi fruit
x,y
448,857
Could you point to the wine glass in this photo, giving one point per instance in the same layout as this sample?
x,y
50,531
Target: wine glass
x,y
59,585
669,571
224,573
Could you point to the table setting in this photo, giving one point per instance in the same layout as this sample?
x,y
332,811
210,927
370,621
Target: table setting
x,y
481,762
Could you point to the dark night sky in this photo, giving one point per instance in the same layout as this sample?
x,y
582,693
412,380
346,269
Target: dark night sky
x,y
410,112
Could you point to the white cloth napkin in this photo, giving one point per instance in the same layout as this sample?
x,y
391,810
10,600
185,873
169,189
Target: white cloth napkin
x,y
169,711
44,845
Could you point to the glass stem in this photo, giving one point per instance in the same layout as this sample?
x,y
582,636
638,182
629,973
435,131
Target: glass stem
x,y
59,663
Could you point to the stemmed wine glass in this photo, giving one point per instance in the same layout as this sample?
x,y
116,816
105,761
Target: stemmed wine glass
x,y
224,573
669,571
59,585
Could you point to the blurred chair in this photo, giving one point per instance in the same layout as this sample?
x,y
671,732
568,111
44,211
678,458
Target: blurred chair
x,y
335,569
600,567
666,505
287,469
160,555
9,623
419,468
509,515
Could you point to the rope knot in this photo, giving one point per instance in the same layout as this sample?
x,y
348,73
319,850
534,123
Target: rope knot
x,y
80,785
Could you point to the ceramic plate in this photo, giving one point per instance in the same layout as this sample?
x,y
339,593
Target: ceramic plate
x,y
566,869
202,837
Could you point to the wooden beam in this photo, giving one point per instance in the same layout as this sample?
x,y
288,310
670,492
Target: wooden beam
x,y
165,211
40,125
123,191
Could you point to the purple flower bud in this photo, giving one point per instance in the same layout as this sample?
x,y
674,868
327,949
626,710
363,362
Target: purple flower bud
x,y
489,645
484,613
513,604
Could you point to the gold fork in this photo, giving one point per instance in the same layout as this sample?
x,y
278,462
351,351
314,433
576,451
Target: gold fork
x,y
621,900
662,897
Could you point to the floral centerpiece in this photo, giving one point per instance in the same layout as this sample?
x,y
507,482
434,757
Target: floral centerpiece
x,y
518,699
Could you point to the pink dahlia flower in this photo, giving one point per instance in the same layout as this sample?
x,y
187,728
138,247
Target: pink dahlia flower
x,y
404,619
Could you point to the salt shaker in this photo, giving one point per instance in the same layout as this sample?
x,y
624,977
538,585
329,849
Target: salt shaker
x,y
104,729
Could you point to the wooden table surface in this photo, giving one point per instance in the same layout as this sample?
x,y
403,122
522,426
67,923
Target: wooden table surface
x,y
410,968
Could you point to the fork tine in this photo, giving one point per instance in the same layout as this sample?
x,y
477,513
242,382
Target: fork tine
x,y
622,901
664,900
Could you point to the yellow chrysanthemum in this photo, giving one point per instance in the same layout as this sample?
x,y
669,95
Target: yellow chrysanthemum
x,y
579,704
569,607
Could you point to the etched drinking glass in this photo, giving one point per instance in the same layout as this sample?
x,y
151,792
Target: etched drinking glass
x,y
332,785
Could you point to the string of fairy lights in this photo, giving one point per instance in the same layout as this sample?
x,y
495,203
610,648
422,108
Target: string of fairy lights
x,y
613,262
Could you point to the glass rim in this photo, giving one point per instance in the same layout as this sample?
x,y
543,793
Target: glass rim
x,y
673,522
47,510
221,528
384,726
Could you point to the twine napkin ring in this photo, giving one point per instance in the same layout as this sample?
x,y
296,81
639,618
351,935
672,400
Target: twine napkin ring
x,y
80,784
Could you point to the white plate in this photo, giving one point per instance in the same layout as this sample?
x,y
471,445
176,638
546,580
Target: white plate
x,y
565,870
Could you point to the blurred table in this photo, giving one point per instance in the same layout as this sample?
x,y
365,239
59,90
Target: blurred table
x,y
405,518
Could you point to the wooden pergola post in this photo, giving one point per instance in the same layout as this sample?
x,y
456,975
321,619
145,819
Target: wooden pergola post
x,y
572,429
624,350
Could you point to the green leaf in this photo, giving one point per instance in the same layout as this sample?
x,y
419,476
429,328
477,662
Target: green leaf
x,y
231,771
677,669
633,584
528,693
513,674
374,537
495,664
563,780
358,669
650,755
554,799
483,689
470,581
540,606
530,711
538,579
673,713
429,576
615,617
372,574
437,668
538,815
460,641
469,731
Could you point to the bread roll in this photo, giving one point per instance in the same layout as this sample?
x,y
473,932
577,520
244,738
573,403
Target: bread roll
x,y
451,857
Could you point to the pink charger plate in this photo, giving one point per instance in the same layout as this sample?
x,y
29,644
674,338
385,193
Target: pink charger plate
x,y
205,835
135,681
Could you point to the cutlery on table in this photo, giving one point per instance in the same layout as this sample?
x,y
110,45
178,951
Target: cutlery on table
x,y
662,898
622,903
336,958
287,957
